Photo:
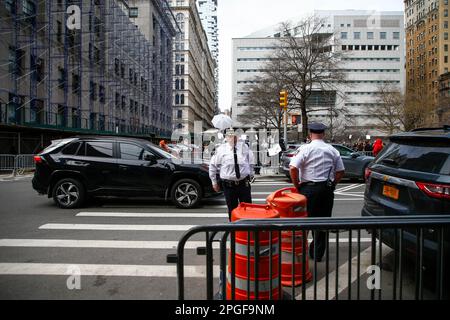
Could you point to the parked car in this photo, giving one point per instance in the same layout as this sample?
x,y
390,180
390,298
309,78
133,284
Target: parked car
x,y
70,170
355,163
411,176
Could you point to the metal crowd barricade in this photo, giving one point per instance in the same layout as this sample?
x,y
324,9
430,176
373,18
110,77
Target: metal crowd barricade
x,y
424,237
17,164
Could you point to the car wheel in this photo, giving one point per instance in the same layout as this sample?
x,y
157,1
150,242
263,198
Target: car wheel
x,y
186,193
69,193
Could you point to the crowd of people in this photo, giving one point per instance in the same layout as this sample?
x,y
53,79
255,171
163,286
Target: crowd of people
x,y
366,146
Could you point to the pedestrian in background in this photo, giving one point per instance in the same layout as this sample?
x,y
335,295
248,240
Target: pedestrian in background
x,y
315,171
233,163
377,147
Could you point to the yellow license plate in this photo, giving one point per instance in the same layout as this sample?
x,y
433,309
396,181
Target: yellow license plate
x,y
390,192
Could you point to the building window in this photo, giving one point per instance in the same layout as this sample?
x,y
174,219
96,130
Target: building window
x,y
62,78
37,66
179,114
93,90
10,6
75,83
445,24
343,35
101,93
134,12
357,35
117,100
59,33
122,70
396,35
117,67
28,8
383,35
182,99
370,35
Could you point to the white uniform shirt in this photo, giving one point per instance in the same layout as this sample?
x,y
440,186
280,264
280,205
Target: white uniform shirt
x,y
314,161
223,162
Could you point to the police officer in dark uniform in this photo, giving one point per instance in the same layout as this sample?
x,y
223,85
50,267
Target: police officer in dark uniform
x,y
315,171
233,162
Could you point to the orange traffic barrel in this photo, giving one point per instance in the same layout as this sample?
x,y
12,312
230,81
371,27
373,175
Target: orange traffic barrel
x,y
291,204
244,257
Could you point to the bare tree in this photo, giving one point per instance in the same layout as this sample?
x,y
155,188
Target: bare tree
x,y
419,111
389,109
264,110
304,63
307,61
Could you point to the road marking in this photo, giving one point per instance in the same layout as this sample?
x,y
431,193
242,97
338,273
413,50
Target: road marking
x,y
211,206
365,262
120,244
152,215
348,194
350,187
116,227
107,244
109,270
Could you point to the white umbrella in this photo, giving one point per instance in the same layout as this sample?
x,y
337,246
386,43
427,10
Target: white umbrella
x,y
222,121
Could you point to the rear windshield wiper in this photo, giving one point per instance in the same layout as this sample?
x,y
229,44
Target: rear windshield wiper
x,y
390,162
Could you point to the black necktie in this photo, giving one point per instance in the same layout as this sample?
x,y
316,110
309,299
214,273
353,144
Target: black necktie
x,y
236,165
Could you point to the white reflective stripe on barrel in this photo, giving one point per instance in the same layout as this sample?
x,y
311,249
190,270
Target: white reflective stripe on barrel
x,y
263,285
264,251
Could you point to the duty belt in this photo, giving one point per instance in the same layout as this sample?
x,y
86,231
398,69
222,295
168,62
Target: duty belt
x,y
312,183
233,183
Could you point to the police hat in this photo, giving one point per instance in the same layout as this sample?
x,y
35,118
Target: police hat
x,y
230,132
317,127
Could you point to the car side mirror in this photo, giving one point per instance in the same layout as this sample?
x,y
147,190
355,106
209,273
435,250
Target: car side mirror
x,y
150,158
355,155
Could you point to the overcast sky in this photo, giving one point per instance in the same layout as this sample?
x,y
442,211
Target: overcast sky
x,y
239,18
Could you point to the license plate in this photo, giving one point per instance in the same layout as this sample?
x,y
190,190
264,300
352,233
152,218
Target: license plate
x,y
390,192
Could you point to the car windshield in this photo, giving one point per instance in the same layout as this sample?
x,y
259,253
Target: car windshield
x,y
421,157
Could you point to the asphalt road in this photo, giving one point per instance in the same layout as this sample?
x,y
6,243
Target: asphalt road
x,y
120,246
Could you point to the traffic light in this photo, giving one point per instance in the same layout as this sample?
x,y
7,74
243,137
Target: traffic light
x,y
283,99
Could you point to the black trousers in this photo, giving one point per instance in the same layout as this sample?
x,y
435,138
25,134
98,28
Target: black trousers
x,y
320,204
236,194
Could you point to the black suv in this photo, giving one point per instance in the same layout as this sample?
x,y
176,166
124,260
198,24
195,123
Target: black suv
x,y
411,176
70,170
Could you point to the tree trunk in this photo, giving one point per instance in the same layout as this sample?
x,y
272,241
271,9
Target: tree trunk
x,y
304,120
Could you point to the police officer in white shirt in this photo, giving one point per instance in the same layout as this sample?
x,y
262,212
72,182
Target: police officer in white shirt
x,y
233,162
315,172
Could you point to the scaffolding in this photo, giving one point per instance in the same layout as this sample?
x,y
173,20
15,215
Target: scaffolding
x,y
106,78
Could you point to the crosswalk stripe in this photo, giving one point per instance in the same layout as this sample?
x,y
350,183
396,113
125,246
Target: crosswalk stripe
x,y
106,244
120,244
115,227
152,215
118,270
211,205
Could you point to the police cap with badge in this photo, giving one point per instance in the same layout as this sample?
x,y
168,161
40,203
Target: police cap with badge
x,y
317,127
